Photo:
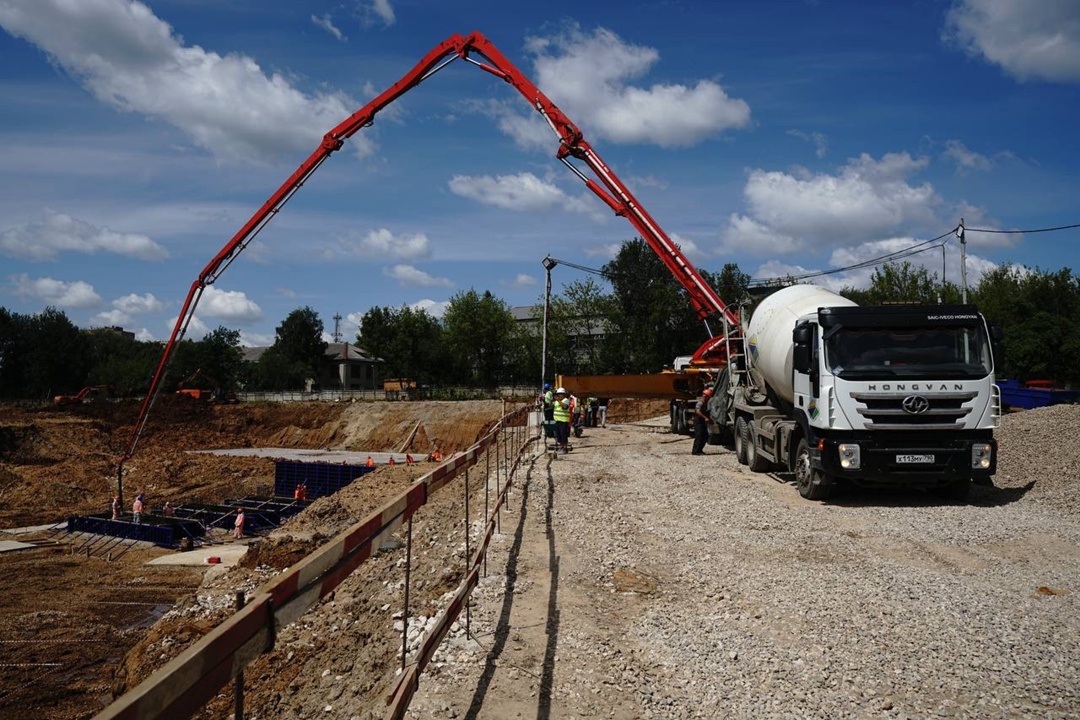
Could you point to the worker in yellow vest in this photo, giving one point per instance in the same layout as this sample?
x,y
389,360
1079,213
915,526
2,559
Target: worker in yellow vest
x,y
561,413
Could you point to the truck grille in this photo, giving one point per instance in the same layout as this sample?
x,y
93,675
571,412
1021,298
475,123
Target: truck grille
x,y
939,411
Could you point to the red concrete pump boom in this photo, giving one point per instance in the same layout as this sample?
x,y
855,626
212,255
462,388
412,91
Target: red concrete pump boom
x,y
477,50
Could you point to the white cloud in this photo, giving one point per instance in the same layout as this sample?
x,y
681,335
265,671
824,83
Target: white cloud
x,y
228,306
866,199
56,232
133,61
125,308
250,339
431,307
607,251
821,145
110,318
374,11
688,247
382,243
327,24
77,295
409,276
522,281
589,77
966,159
144,335
1029,40
522,192
196,329
137,304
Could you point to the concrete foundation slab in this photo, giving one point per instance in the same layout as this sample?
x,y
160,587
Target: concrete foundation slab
x,y
230,555
10,545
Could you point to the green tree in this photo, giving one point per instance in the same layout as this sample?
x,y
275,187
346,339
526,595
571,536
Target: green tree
x,y
56,360
119,360
408,341
478,331
652,320
296,355
903,283
1039,312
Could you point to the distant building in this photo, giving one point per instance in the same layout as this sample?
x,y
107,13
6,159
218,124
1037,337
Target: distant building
x,y
112,330
345,367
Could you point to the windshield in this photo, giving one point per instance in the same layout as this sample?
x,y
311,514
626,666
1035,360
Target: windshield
x,y
942,353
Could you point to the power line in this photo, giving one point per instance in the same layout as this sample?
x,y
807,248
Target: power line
x,y
889,257
1023,232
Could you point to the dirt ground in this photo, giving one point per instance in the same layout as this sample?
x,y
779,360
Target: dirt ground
x,y
77,630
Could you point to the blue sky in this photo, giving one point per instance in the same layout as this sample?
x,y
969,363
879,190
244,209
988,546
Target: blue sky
x,y
783,135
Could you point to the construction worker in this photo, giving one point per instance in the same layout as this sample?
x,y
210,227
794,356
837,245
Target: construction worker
x,y
391,461
370,462
591,406
548,402
238,524
561,414
116,507
301,492
136,509
409,460
167,511
701,422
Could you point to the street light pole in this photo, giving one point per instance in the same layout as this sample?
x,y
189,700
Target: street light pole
x,y
549,263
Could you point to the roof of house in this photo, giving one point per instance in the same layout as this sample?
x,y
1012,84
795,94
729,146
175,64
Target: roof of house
x,y
336,351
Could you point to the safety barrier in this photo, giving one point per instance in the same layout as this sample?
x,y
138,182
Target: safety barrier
x,y
409,681
196,675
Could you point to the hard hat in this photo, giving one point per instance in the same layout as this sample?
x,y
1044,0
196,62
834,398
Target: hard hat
x,y
708,392
561,390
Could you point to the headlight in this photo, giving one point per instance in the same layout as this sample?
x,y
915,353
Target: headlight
x,y
849,456
981,454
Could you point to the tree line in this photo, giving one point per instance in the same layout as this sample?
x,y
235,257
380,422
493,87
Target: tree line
x,y
634,319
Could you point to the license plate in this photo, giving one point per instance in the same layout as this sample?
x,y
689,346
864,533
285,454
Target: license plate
x,y
914,459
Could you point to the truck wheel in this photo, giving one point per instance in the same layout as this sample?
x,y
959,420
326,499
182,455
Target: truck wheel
x,y
740,440
957,490
754,460
812,484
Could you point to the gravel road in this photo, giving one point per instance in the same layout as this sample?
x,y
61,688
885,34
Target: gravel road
x,y
632,580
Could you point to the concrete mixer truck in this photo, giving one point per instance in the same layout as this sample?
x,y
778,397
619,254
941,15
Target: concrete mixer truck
x,y
893,395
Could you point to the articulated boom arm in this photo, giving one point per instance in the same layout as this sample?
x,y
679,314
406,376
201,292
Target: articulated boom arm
x,y
704,299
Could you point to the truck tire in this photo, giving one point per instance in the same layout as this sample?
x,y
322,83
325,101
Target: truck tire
x,y
754,460
740,439
812,484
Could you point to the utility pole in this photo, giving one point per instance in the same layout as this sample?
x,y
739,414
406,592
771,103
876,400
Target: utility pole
x,y
963,262
337,327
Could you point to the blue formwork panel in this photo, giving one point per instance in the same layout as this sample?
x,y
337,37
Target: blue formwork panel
x,y
166,532
322,479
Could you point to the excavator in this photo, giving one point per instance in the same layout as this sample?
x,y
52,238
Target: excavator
x,y
195,387
474,49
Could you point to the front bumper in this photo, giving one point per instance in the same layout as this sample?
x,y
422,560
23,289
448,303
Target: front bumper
x,y
941,458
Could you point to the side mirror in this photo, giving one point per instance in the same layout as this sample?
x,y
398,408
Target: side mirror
x,y
802,358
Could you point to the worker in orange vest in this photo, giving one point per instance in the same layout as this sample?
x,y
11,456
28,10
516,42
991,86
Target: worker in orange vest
x,y
238,526
370,462
392,461
409,460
